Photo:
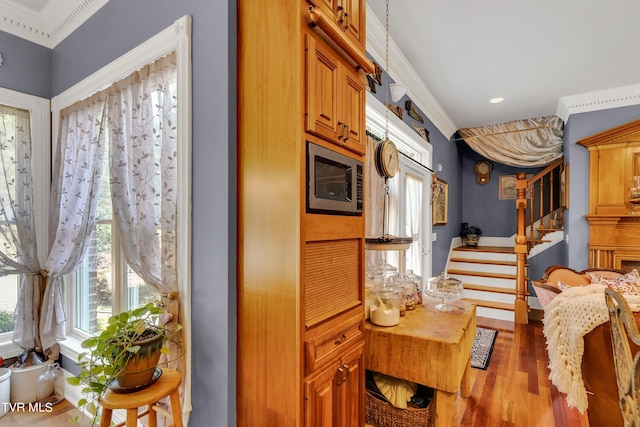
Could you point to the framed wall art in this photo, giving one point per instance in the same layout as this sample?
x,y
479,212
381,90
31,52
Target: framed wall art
x,y
507,188
439,201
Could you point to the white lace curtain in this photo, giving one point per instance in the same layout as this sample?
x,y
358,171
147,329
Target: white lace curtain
x,y
142,117
414,213
18,250
520,143
141,112
74,197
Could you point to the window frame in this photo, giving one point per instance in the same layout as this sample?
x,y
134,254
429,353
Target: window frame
x,y
412,147
40,122
176,37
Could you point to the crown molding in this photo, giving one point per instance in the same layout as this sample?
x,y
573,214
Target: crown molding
x,y
623,96
51,25
402,72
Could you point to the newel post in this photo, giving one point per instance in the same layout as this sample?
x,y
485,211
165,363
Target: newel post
x,y
521,249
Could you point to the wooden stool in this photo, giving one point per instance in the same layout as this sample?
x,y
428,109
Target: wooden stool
x,y
166,385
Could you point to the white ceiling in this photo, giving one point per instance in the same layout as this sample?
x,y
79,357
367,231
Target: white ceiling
x,y
45,22
543,57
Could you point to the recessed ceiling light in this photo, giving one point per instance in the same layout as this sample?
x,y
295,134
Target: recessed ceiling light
x,y
496,100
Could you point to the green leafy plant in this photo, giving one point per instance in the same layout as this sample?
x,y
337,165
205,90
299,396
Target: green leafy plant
x,y
6,321
111,350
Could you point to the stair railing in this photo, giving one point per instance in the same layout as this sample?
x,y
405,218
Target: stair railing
x,y
545,184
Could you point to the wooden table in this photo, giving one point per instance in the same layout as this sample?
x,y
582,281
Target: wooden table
x,y
429,347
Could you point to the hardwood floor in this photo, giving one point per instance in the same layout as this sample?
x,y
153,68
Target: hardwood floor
x,y
515,389
60,416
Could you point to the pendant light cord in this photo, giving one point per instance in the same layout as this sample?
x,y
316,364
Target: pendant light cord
x,y
386,61
385,210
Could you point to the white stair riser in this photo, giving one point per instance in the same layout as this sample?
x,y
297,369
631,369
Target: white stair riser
x,y
484,268
494,313
487,281
484,256
489,296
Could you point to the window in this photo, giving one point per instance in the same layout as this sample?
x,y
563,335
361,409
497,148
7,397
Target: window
x,y
30,115
10,184
96,295
409,192
104,284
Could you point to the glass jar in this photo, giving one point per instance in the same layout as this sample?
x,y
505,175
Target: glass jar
x,y
384,306
398,283
388,271
50,386
445,289
411,276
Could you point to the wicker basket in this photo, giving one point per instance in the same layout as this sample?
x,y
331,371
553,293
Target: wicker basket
x,y
383,414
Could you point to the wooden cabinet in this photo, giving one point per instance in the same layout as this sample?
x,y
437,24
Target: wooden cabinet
x,y
335,97
300,276
348,16
614,224
334,395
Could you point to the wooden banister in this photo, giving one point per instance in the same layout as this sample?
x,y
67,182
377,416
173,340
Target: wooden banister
x,y
536,195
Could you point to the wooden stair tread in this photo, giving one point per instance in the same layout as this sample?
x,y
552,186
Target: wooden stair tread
x,y
491,304
484,261
494,249
481,274
484,288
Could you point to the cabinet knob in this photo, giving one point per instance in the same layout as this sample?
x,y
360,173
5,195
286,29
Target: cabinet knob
x,y
343,373
340,340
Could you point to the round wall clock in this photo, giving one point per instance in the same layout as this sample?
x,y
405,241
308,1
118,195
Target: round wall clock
x,y
387,159
483,171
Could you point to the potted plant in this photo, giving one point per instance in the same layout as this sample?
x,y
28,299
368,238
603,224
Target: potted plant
x,y
124,356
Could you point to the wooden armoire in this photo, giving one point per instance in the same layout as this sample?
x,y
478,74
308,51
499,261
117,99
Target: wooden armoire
x,y
614,211
301,78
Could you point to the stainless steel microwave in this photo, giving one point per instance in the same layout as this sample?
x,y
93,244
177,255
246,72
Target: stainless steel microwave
x,y
334,182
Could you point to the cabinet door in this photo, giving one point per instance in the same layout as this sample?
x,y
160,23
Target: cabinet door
x,y
334,397
335,92
320,398
350,398
353,109
323,71
350,16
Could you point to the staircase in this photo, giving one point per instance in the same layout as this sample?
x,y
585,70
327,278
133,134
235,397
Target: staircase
x,y
488,274
494,274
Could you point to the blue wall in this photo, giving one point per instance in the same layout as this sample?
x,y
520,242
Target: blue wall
x,y
116,28
481,205
26,66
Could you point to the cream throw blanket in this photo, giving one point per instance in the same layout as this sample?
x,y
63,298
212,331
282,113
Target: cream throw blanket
x,y
567,319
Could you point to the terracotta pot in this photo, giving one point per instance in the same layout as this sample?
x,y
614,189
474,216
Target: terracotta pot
x,y
141,366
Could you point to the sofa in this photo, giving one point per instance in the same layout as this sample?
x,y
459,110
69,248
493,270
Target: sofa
x,y
598,369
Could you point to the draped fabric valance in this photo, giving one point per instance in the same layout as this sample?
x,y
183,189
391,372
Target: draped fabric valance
x,y
521,143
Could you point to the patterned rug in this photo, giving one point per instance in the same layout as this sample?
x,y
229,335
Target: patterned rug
x,y
483,347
